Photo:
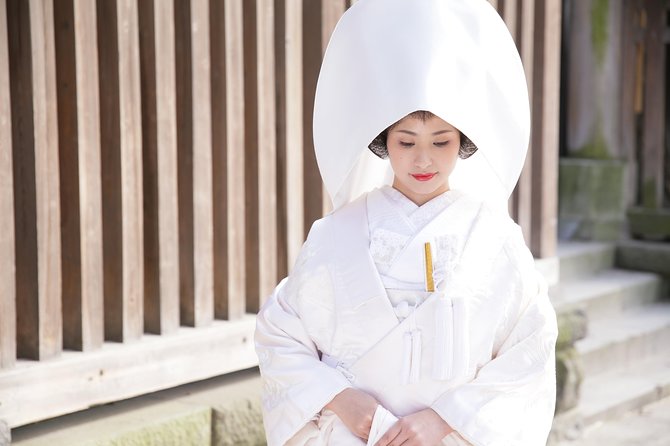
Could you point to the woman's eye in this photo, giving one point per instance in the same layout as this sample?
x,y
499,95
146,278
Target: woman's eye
x,y
406,144
441,143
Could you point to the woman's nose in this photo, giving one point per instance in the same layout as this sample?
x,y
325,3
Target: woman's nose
x,y
422,159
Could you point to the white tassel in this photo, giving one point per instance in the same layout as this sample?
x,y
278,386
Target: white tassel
x,y
461,355
407,357
443,340
415,368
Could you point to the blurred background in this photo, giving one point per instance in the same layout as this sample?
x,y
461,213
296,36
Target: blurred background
x,y
157,179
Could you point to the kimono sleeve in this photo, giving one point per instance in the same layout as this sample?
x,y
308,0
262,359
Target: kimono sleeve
x,y
296,384
511,400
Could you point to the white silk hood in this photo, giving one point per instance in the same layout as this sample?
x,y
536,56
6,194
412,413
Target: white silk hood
x,y
388,58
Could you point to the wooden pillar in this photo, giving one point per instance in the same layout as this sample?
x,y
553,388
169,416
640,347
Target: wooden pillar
x,y
290,222
544,139
319,19
521,198
36,184
121,140
228,155
654,133
194,143
159,166
80,184
260,143
7,260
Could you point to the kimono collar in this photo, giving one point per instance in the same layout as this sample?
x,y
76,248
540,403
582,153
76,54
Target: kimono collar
x,y
388,58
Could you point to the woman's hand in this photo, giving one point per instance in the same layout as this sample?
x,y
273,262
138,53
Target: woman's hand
x,y
424,428
356,409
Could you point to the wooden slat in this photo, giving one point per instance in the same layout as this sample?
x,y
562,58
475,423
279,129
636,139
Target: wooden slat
x,y
627,108
203,311
122,171
36,193
79,156
260,142
654,108
228,176
159,149
195,162
546,87
331,12
288,38
522,194
267,154
312,56
7,260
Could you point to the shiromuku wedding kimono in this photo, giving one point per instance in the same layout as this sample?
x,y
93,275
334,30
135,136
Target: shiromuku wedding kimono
x,y
434,306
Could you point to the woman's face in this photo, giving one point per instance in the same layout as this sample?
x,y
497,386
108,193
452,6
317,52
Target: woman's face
x,y
423,154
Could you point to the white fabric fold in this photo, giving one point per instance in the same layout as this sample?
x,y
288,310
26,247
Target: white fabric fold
x,y
382,422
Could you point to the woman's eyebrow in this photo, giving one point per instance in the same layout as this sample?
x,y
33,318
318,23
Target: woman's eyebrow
x,y
409,132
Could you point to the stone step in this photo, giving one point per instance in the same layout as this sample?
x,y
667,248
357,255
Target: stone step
x,y
221,411
583,259
646,256
134,422
624,338
608,396
648,426
607,293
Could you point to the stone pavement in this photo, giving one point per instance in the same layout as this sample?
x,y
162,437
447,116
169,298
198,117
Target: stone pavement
x,y
649,427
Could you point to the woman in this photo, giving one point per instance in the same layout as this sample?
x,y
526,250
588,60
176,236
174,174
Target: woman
x,y
414,315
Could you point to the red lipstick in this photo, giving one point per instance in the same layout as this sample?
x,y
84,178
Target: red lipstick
x,y
423,176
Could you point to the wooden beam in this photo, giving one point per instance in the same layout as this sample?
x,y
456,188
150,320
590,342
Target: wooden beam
x,y
653,138
288,39
159,163
522,202
78,381
35,170
545,113
195,162
260,139
203,311
267,154
7,260
79,160
228,160
121,139
312,55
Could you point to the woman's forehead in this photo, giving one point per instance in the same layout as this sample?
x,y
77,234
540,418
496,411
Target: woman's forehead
x,y
425,121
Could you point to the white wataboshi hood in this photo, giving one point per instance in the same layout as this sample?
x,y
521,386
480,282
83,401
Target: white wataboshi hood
x,y
388,58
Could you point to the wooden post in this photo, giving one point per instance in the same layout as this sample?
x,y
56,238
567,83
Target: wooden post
x,y
545,113
35,170
288,39
654,108
159,149
228,158
194,142
522,205
7,260
319,19
260,142
121,139
79,159
312,55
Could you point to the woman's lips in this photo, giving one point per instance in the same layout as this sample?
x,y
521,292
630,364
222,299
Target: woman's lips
x,y
423,176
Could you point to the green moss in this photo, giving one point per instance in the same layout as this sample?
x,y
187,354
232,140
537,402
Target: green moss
x,y
597,149
599,22
649,193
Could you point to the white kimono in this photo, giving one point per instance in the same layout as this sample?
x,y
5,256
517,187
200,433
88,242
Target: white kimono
x,y
435,306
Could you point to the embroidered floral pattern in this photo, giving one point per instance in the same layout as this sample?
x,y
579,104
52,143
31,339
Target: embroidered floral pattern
x,y
385,246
